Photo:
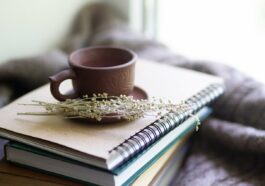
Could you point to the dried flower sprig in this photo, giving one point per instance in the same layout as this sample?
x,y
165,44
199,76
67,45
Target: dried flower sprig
x,y
104,106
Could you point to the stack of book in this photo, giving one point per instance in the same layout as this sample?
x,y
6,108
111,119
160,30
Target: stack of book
x,y
141,152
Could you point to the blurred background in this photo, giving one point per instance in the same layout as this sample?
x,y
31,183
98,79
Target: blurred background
x,y
227,31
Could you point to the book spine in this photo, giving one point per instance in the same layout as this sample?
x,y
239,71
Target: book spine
x,y
151,133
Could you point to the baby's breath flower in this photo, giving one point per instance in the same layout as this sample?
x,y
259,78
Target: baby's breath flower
x,y
104,106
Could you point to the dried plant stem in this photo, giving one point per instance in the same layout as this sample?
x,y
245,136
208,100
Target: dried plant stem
x,y
103,106
37,113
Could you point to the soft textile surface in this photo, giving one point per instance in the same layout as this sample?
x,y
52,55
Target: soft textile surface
x,y
229,148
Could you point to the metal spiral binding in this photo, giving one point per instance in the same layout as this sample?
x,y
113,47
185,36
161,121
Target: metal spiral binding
x,y
162,126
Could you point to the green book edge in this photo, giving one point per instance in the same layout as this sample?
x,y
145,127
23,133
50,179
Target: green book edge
x,y
203,114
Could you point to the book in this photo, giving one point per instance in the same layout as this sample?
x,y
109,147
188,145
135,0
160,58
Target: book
x,y
118,142
169,170
18,176
53,164
166,167
11,174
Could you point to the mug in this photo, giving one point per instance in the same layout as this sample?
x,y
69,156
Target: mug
x,y
96,70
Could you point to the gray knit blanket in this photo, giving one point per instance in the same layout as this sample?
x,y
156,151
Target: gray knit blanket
x,y
229,148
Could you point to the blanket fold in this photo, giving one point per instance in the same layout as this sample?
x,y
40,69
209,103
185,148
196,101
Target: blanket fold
x,y
228,149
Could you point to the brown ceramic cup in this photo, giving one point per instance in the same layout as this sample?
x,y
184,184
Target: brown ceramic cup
x,y
97,70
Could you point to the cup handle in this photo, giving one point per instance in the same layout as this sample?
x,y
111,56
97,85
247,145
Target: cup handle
x,y
55,82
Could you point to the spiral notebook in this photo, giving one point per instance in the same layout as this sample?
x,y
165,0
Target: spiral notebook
x,y
108,146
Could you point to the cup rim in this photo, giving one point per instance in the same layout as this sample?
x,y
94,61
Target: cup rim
x,y
134,58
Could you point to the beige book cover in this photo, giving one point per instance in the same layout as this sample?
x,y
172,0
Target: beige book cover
x,y
89,140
